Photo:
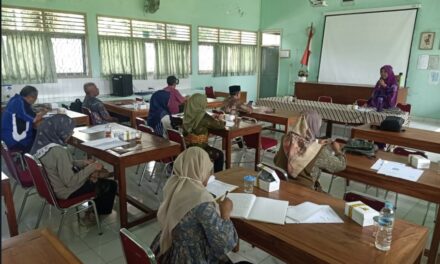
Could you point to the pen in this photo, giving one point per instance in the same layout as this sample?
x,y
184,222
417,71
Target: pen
x,y
226,194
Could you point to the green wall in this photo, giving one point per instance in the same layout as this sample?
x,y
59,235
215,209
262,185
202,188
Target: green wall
x,y
195,12
293,16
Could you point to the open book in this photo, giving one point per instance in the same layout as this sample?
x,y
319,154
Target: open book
x,y
218,188
251,207
309,213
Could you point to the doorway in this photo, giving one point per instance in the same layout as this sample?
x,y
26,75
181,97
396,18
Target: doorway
x,y
270,49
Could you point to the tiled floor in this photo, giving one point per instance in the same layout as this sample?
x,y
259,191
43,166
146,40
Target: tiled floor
x,y
85,242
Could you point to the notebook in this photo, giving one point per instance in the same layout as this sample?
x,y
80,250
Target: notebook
x,y
218,188
105,143
251,207
311,213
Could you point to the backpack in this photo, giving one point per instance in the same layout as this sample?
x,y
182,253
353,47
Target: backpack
x,y
360,146
392,123
76,106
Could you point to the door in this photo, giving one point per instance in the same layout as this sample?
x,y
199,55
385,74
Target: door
x,y
269,71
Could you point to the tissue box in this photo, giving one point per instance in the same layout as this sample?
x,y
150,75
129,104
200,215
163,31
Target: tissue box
x,y
267,179
418,161
360,213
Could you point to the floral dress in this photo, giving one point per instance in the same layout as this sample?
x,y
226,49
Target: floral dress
x,y
202,236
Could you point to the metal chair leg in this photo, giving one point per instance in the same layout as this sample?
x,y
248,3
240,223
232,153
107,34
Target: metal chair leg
x,y
426,213
97,217
331,183
60,227
161,179
14,187
153,172
143,173
23,203
137,168
40,214
77,214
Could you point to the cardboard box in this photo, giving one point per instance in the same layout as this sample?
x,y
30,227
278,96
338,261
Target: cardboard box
x,y
418,162
360,213
267,179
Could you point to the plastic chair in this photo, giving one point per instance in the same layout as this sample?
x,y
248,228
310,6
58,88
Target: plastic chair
x,y
140,121
87,112
20,174
361,102
209,92
138,99
251,141
404,107
135,250
375,203
46,192
282,174
326,99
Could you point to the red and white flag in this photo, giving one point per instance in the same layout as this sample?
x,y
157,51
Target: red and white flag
x,y
307,51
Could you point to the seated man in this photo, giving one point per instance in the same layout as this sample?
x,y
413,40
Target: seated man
x,y
176,99
100,114
18,119
233,104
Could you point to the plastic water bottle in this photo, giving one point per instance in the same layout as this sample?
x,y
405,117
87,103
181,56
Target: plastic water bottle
x,y
385,227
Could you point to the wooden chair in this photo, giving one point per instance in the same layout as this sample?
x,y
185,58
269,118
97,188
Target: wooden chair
x,y
267,144
46,192
326,99
135,250
20,173
209,92
140,121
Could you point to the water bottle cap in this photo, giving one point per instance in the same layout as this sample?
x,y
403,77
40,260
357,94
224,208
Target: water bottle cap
x,y
384,221
249,178
389,205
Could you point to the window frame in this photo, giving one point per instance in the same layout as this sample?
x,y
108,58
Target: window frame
x,y
84,38
219,41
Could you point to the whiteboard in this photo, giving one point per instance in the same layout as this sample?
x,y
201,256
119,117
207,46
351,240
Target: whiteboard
x,y
356,45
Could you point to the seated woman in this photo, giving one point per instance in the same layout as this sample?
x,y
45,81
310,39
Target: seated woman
x,y
385,92
159,116
193,230
303,156
196,123
70,178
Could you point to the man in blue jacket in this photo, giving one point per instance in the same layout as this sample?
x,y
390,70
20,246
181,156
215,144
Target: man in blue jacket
x,y
18,119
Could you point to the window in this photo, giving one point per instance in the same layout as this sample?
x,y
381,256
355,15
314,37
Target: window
x,y
64,50
270,39
142,57
224,52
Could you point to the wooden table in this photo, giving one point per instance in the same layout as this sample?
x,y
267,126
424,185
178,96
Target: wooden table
x,y
153,148
323,243
411,137
120,108
239,129
9,203
426,188
37,247
215,103
280,116
243,95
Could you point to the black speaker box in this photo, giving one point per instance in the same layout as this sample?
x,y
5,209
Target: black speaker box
x,y
122,84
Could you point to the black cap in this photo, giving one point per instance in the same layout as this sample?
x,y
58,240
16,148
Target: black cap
x,y
234,89
171,80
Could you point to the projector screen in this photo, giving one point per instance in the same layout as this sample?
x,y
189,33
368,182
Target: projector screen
x,y
356,45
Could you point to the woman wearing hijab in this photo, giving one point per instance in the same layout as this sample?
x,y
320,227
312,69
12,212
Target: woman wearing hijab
x,y
385,92
196,123
159,117
303,156
70,178
193,230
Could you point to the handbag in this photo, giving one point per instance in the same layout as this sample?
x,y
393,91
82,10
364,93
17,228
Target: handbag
x,y
360,146
392,123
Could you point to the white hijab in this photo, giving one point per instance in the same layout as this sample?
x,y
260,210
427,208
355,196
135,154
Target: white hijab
x,y
183,191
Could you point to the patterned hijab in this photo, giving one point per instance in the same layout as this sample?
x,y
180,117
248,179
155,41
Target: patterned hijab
x,y
195,110
53,131
183,191
158,109
299,145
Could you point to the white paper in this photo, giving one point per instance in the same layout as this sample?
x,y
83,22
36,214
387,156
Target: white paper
x,y
400,170
94,129
422,62
219,188
376,166
311,213
433,63
434,77
129,106
105,143
242,204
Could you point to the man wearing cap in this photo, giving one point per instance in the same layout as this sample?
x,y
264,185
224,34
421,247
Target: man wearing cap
x,y
176,98
233,104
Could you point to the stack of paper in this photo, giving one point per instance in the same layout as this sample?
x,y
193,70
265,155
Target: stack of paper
x,y
105,143
94,129
219,188
396,169
251,207
311,213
